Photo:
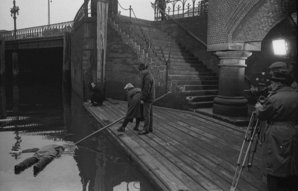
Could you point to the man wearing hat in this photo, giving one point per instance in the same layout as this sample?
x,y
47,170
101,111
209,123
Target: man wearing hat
x,y
147,97
134,109
284,67
280,146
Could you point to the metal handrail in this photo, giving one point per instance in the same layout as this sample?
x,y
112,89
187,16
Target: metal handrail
x,y
182,27
148,43
56,29
83,12
182,8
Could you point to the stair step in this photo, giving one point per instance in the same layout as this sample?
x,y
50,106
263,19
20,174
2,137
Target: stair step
x,y
197,82
191,77
197,105
187,71
191,73
199,92
201,98
188,67
189,63
200,87
179,57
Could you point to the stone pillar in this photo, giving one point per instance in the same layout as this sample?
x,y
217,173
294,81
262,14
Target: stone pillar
x,y
230,100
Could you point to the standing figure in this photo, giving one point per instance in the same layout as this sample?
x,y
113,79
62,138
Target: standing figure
x,y
280,147
97,96
147,97
134,108
41,158
161,6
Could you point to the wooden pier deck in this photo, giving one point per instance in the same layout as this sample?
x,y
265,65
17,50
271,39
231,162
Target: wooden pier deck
x,y
186,151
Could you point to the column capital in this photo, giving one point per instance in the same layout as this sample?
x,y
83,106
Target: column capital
x,y
233,58
242,55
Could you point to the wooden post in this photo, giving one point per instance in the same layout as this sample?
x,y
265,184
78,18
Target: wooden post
x,y
102,20
2,80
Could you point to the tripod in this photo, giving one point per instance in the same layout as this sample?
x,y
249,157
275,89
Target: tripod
x,y
245,158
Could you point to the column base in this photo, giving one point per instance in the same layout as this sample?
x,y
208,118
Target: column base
x,y
230,106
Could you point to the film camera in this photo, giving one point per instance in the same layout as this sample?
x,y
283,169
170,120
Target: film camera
x,y
259,88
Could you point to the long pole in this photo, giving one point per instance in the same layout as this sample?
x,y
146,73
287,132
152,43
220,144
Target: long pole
x,y
49,14
109,125
14,11
14,21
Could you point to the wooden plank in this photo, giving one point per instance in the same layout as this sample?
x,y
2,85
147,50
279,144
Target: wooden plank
x,y
159,173
192,150
195,179
218,168
210,154
232,166
172,169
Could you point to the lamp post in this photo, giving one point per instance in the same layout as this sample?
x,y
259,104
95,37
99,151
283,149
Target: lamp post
x,y
13,12
15,68
49,12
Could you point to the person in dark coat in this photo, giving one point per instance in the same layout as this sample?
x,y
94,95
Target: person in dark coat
x,y
161,4
40,159
134,109
280,146
147,97
97,96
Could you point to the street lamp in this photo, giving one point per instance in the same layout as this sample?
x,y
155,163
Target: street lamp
x,y
49,12
13,12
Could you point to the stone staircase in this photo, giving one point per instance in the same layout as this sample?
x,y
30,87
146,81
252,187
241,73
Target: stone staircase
x,y
187,75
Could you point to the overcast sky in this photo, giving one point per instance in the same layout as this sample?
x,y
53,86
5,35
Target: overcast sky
x,y
35,12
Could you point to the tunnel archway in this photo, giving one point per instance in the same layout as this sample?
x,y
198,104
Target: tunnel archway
x,y
39,77
260,61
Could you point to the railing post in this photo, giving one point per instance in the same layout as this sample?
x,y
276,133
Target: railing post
x,y
130,11
193,7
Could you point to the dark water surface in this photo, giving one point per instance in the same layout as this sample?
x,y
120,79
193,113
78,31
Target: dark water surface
x,y
97,165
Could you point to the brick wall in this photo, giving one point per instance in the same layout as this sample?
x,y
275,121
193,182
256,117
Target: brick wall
x,y
121,67
236,21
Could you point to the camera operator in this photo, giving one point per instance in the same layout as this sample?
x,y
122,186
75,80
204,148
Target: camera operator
x,y
280,146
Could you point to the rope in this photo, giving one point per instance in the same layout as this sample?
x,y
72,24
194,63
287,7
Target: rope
x,y
122,7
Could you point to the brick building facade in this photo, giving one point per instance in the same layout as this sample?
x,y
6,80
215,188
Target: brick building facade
x,y
236,29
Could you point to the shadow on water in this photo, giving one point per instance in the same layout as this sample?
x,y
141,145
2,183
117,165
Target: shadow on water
x,y
97,165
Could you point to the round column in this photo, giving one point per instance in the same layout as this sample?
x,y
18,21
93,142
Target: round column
x,y
230,100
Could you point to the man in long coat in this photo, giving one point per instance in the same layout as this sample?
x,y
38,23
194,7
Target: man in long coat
x,y
280,147
147,97
134,109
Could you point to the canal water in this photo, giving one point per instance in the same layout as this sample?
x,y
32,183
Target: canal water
x,y
98,164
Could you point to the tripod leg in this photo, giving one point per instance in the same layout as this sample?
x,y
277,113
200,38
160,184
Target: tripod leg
x,y
239,169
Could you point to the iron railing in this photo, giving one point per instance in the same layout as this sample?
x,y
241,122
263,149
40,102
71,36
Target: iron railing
x,y
183,29
180,8
85,11
137,33
39,31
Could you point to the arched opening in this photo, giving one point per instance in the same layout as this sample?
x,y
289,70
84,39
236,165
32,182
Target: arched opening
x,y
284,33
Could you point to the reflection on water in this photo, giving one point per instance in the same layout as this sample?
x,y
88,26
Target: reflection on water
x,y
97,164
